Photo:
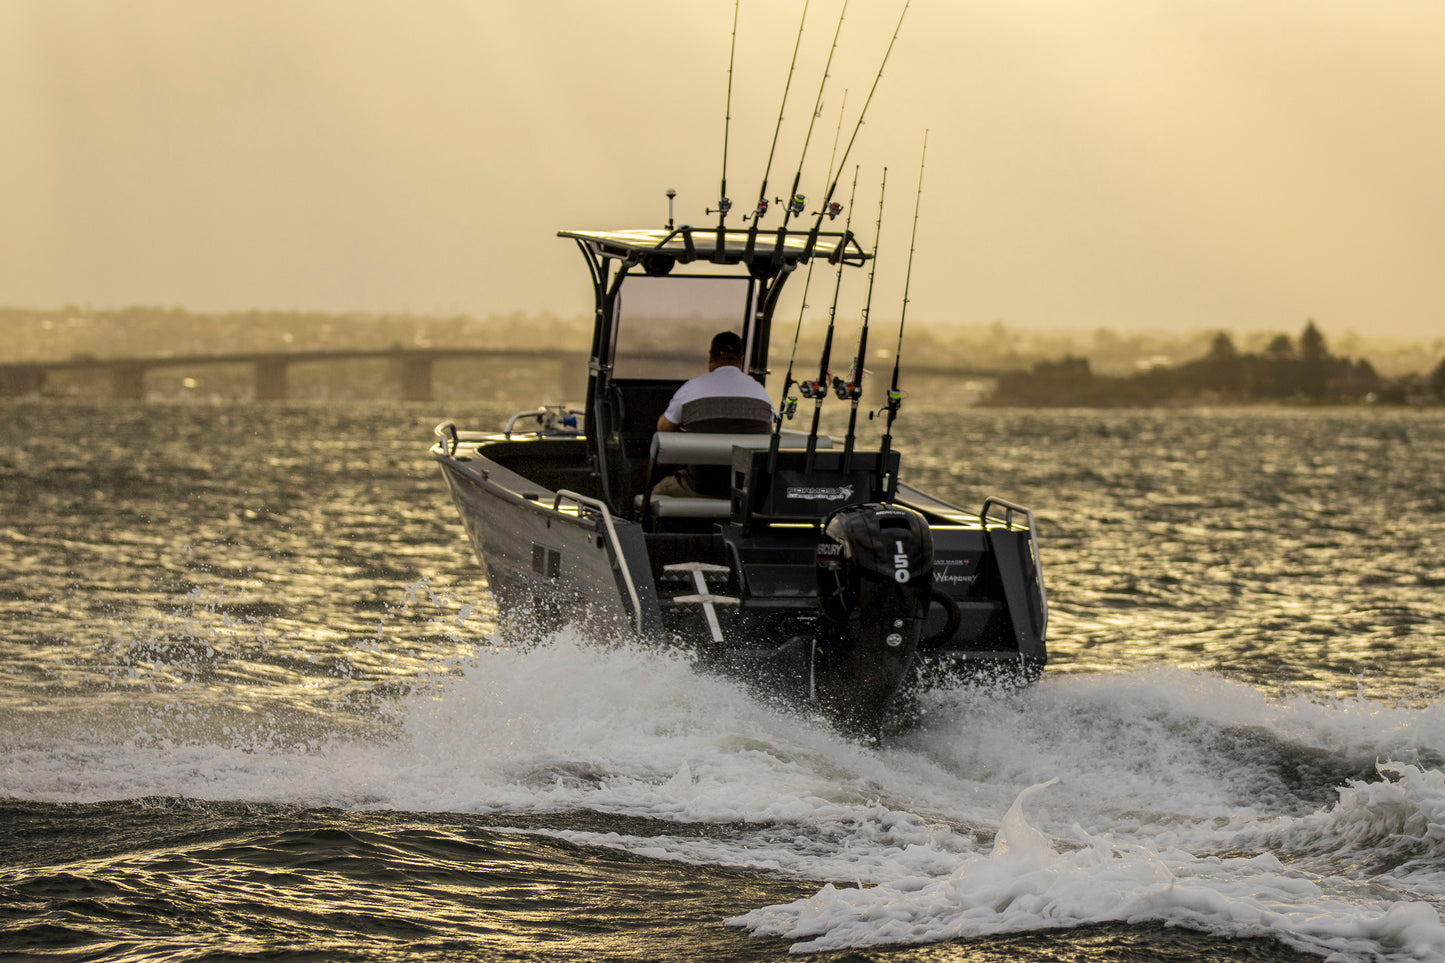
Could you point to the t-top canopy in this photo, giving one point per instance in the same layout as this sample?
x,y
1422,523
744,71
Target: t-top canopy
x,y
733,246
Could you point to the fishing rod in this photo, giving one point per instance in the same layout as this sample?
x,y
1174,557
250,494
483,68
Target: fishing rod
x,y
895,397
788,407
852,389
796,203
829,209
762,207
724,204
818,390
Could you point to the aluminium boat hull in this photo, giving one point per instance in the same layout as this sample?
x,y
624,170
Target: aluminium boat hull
x,y
812,571
757,608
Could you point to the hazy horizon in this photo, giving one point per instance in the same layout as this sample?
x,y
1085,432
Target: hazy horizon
x,y
1124,165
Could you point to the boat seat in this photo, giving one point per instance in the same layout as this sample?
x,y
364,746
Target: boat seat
x,y
678,448
679,506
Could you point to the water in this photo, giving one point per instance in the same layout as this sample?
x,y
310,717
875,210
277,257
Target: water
x,y
251,706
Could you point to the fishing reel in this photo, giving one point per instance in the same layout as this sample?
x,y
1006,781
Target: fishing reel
x,y
847,390
760,212
813,389
723,206
895,401
797,205
832,210
790,408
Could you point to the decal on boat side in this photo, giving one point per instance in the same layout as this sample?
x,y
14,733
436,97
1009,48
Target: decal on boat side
x,y
841,493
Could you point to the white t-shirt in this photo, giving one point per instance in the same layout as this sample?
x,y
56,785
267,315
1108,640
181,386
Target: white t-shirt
x,y
724,392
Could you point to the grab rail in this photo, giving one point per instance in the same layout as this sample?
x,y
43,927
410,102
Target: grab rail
x,y
1009,509
606,513
443,431
548,418
538,413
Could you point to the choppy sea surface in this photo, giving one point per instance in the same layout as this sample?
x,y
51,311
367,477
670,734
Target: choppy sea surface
x,y
253,705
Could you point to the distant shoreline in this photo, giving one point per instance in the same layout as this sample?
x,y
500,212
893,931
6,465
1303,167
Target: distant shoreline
x,y
998,365
1288,371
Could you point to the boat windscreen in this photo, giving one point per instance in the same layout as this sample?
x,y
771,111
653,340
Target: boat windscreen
x,y
664,325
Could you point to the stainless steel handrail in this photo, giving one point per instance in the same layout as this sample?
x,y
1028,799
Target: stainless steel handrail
x,y
541,414
1009,509
606,513
443,431
538,413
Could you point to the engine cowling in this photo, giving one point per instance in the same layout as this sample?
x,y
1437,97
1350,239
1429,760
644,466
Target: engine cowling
x,y
875,580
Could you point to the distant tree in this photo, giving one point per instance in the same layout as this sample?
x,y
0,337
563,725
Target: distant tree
x,y
1221,371
1437,380
1280,348
1312,375
1222,348
1312,344
1358,379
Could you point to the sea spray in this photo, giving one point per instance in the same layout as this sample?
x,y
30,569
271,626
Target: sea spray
x,y
1391,826
1028,884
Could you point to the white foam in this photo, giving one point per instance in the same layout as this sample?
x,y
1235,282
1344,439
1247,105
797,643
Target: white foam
x,y
1027,884
1163,775
1183,758
1395,825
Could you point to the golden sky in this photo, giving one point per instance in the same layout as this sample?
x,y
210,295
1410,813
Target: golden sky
x,y
1135,164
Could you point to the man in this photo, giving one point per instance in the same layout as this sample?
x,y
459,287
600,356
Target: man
x,y
723,400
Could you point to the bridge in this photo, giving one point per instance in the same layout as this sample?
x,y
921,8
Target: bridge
x,y
412,367
271,369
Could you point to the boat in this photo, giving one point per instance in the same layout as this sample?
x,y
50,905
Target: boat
x,y
818,576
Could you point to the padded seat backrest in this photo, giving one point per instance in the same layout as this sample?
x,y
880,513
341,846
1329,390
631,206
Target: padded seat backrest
x,y
708,449
704,448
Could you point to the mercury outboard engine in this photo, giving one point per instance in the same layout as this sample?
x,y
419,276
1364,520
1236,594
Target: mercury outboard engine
x,y
875,579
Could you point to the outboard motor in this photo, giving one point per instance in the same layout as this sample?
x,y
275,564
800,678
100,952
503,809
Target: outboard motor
x,y
875,579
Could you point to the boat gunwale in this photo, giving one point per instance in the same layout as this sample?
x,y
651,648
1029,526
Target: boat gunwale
x,y
545,502
948,515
